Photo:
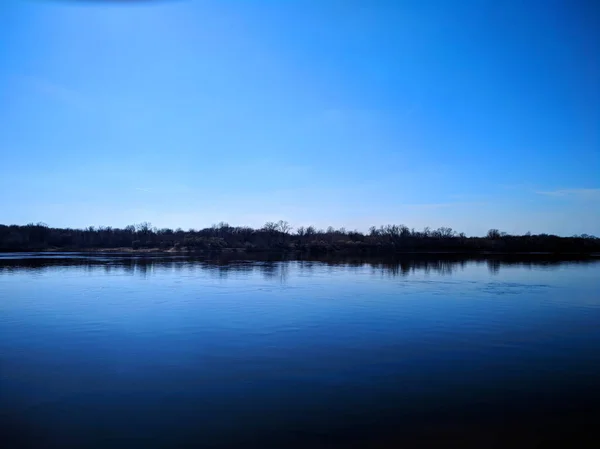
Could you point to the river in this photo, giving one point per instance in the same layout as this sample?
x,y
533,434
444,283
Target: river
x,y
124,351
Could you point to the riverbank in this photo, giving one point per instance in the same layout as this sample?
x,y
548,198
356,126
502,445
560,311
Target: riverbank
x,y
386,240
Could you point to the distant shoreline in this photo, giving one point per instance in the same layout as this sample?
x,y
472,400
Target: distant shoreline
x,y
280,237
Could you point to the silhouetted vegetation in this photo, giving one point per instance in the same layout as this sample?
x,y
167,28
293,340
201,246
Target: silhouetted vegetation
x,y
281,237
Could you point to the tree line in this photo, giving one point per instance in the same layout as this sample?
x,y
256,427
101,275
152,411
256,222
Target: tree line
x,y
281,236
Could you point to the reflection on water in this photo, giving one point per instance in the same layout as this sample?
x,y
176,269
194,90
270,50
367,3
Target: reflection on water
x,y
159,352
275,267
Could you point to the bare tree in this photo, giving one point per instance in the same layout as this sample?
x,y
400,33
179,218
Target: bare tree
x,y
493,234
284,226
444,232
270,226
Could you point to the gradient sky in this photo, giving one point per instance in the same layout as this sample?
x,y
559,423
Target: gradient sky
x,y
468,114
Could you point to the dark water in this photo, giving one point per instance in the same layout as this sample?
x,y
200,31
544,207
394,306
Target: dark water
x,y
121,352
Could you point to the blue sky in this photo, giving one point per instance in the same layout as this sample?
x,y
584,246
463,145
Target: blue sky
x,y
470,114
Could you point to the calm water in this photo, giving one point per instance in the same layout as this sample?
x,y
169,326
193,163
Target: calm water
x,y
127,352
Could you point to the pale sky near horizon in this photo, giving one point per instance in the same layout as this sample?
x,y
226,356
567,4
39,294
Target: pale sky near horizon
x,y
472,114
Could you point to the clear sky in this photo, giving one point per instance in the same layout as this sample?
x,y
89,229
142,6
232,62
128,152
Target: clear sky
x,y
468,114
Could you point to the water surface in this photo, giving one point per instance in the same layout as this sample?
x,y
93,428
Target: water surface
x,y
122,351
